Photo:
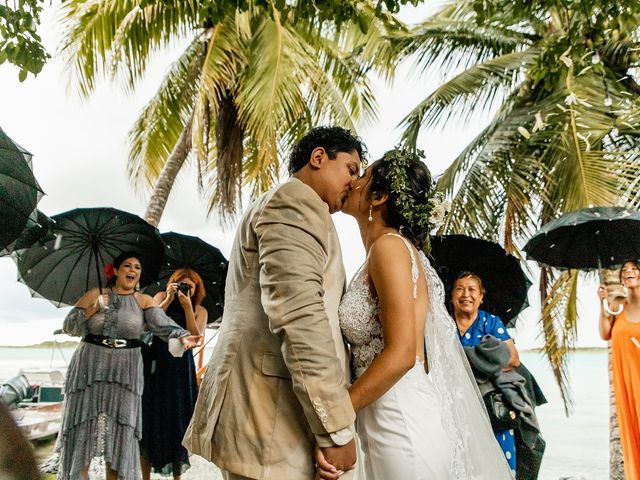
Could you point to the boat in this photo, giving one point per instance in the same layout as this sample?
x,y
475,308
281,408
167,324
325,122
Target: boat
x,y
35,399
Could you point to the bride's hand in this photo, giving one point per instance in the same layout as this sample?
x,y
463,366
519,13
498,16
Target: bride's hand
x,y
325,471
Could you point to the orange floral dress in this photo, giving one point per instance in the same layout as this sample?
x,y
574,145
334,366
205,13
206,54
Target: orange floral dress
x,y
625,359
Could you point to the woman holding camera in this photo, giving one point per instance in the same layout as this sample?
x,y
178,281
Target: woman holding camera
x,y
170,388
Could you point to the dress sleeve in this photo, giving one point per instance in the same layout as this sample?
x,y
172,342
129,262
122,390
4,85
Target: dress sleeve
x,y
75,323
161,325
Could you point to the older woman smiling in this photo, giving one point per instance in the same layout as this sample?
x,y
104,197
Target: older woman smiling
x,y
473,324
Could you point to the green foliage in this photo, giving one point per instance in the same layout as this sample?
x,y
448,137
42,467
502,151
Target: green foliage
x,y
338,12
20,43
247,87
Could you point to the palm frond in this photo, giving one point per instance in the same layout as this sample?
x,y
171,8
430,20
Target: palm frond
x,y
485,143
104,39
162,120
559,324
342,94
269,93
449,45
229,134
473,92
372,50
620,54
219,146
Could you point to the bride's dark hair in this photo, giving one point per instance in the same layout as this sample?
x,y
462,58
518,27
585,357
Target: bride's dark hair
x,y
407,181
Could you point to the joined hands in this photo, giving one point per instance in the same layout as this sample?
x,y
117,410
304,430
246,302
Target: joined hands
x,y
333,462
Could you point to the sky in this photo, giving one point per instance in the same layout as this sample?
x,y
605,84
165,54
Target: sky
x,y
80,151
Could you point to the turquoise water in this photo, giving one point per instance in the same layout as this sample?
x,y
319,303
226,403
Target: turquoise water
x,y
12,360
577,446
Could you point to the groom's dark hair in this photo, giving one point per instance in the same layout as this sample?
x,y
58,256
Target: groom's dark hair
x,y
332,139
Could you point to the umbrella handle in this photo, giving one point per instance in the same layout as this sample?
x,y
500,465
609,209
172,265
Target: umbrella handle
x,y
605,305
101,303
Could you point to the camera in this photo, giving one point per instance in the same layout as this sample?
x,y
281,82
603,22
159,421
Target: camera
x,y
184,288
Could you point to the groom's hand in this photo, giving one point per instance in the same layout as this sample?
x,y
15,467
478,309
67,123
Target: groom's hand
x,y
342,457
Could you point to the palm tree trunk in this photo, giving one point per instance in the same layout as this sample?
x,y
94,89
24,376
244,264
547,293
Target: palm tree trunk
x,y
167,177
616,460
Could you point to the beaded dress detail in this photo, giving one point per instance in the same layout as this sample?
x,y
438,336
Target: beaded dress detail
x,y
358,313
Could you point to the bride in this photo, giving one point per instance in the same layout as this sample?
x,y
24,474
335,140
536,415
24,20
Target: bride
x,y
411,425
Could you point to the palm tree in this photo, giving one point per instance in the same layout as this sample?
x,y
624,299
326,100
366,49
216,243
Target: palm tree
x,y
243,91
559,79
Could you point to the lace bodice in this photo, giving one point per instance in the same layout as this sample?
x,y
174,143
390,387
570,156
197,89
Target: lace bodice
x,y
359,321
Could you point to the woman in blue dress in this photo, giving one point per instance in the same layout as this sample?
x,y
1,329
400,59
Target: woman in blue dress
x,y
473,325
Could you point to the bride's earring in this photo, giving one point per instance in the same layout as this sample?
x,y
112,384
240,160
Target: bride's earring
x,y
370,218
625,290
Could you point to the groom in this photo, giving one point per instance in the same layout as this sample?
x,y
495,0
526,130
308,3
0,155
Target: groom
x,y
277,381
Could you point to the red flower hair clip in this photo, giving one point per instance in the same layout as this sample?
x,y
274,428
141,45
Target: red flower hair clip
x,y
109,271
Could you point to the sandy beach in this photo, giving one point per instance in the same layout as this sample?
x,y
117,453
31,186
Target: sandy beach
x,y
200,468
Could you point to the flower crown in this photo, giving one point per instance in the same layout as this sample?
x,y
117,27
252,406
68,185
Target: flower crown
x,y
426,214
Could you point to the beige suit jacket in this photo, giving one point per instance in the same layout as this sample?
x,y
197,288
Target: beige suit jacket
x,y
277,375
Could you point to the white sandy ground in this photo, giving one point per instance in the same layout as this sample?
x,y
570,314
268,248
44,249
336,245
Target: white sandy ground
x,y
200,470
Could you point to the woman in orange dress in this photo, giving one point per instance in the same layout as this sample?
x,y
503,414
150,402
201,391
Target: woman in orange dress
x,y
624,332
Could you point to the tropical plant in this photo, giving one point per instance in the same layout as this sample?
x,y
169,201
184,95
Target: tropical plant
x,y
558,79
566,127
20,43
337,12
244,89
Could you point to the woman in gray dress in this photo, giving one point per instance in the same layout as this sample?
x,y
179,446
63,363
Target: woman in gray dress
x,y
102,421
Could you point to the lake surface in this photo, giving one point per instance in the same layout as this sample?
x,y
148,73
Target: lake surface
x,y
577,446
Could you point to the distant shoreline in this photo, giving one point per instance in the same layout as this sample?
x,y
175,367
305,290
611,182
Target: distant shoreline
x,y
577,349
48,344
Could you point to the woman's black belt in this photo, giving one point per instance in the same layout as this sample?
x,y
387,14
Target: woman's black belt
x,y
109,342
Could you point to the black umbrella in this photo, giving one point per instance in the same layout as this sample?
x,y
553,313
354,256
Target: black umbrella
x,y
185,251
587,239
19,190
39,229
66,267
505,282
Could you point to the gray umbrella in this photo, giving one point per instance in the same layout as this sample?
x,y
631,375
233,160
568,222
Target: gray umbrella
x,y
64,268
19,190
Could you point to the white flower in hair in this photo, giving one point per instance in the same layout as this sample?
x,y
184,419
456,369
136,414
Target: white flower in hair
x,y
440,208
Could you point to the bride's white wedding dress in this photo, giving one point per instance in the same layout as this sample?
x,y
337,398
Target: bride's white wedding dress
x,y
431,426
